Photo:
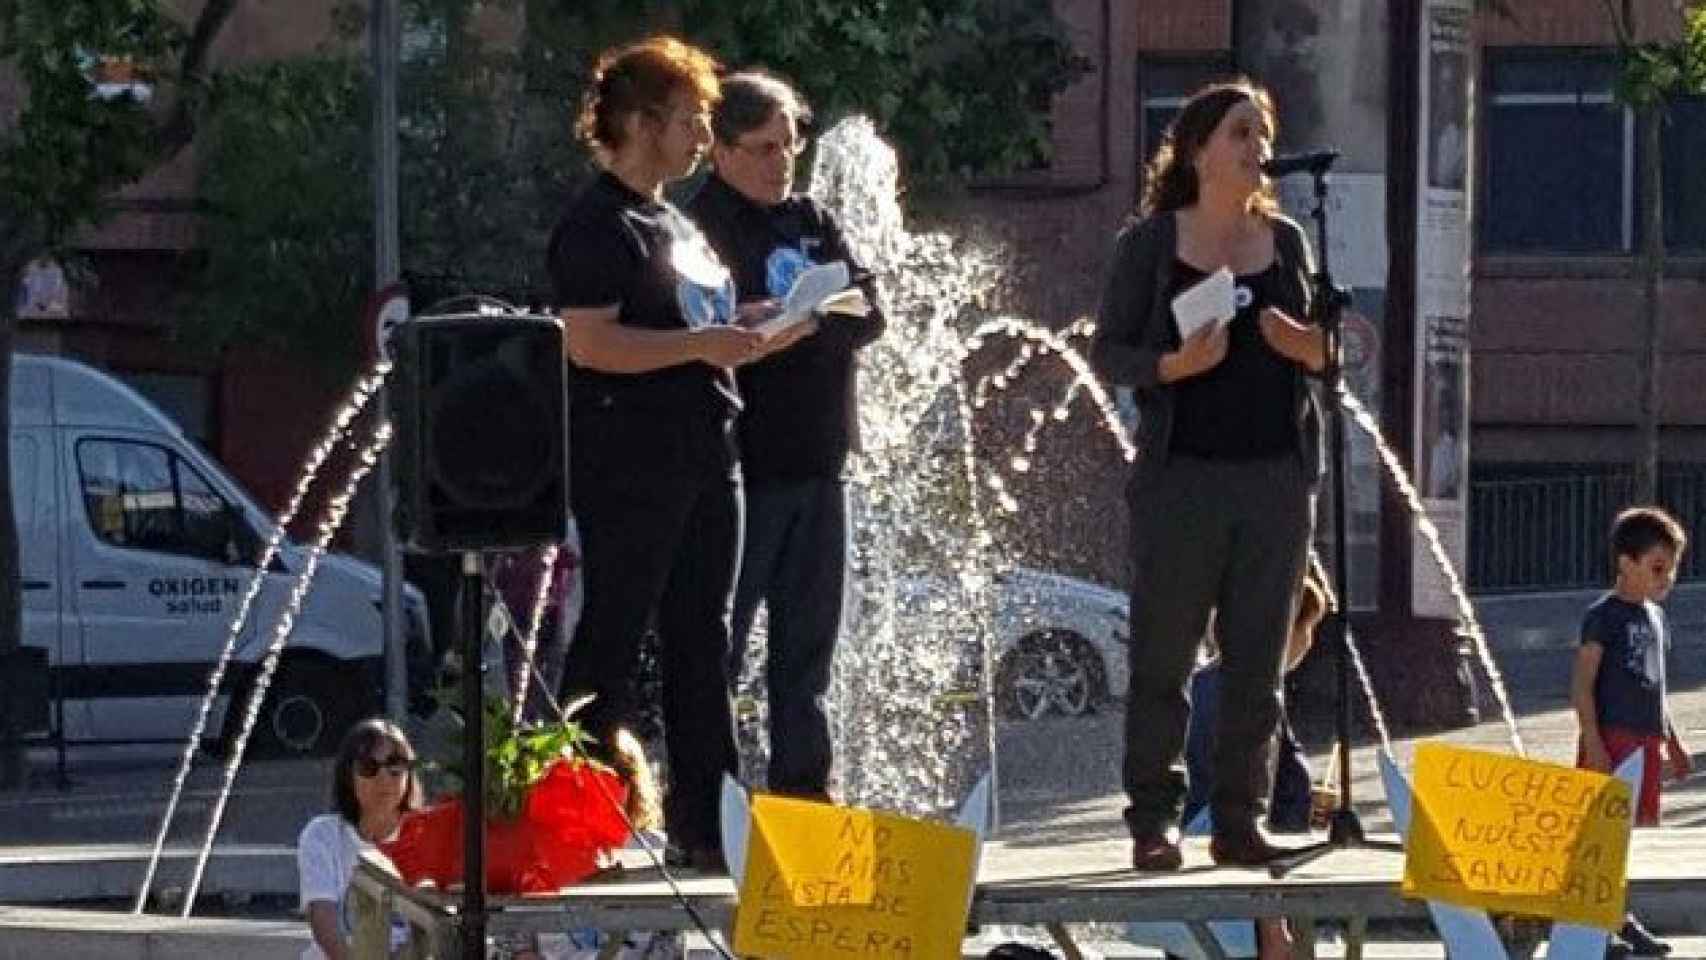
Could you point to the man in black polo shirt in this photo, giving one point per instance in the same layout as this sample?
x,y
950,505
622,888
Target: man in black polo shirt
x,y
800,419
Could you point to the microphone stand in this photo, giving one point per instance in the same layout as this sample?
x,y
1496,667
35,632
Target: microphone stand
x,y
1327,307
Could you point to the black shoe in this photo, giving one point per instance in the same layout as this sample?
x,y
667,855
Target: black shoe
x,y
1155,852
1616,948
1245,848
1641,941
698,859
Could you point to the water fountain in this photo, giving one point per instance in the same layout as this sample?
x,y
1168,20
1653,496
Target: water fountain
x,y
924,556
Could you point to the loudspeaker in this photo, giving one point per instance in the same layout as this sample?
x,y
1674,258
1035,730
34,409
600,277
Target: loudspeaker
x,y
478,403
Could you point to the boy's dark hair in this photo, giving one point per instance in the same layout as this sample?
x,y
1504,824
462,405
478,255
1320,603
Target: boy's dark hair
x,y
1639,529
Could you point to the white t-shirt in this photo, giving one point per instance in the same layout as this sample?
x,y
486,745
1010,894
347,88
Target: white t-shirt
x,y
326,856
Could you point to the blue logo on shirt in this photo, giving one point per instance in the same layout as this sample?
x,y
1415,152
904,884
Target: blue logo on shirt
x,y
782,268
703,288
704,306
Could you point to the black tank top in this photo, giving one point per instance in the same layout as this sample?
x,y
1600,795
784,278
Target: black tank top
x,y
1246,408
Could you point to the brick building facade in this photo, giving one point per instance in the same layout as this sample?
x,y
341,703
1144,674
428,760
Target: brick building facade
x,y
1555,329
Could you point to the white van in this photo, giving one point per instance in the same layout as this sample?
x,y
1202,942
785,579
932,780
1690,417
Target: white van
x,y
135,551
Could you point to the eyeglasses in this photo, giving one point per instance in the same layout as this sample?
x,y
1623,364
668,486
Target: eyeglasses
x,y
774,149
396,765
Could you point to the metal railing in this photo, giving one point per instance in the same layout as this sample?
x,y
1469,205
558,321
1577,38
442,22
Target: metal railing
x,y
1551,533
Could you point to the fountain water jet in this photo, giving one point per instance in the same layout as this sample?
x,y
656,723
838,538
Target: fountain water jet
x,y
357,400
335,513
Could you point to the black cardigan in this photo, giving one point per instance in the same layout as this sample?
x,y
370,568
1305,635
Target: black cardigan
x,y
1134,328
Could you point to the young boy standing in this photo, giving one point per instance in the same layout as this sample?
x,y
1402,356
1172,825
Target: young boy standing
x,y
1618,684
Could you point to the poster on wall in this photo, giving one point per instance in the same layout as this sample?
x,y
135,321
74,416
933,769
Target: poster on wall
x,y
42,292
1441,412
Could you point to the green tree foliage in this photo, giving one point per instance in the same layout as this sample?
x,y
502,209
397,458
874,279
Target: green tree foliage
x,y
288,195
1656,72
69,148
287,210
961,86
487,152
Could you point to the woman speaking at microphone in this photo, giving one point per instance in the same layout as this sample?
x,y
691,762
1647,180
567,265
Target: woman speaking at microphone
x,y
1222,495
654,478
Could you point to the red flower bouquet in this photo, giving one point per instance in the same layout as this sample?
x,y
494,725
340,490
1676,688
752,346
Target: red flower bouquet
x,y
550,813
567,820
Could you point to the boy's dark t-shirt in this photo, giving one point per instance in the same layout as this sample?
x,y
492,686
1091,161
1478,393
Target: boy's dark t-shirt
x,y
1629,690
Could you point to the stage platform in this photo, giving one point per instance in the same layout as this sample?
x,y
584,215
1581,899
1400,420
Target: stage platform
x,y
61,873
1083,882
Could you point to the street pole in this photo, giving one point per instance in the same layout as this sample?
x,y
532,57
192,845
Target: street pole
x,y
1342,78
385,36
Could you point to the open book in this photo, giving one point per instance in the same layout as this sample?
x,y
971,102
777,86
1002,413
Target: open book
x,y
822,287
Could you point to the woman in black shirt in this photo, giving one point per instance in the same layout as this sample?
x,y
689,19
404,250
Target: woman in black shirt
x,y
654,477
1222,494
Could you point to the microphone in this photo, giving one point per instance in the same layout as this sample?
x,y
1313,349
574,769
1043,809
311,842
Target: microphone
x,y
1316,162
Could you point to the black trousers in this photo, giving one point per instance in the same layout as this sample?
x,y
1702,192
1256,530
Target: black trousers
x,y
795,562
1231,536
658,502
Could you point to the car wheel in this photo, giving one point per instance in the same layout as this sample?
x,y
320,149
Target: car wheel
x,y
308,708
1055,672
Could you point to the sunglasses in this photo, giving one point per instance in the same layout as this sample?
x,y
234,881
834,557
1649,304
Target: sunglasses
x,y
396,765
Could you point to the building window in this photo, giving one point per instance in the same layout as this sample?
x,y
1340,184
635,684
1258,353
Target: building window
x,y
1684,186
1560,155
1163,86
1563,164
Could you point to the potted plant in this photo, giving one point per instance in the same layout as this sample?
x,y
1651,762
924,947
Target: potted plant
x,y
551,812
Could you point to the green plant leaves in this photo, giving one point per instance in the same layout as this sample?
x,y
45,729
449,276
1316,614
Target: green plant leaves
x,y
517,757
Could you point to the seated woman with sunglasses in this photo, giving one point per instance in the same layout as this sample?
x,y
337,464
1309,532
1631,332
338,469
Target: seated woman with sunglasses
x,y
373,784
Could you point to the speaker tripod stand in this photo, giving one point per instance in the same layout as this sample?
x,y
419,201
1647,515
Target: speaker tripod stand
x,y
1344,829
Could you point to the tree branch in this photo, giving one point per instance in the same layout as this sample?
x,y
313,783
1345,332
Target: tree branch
x,y
179,128
1625,35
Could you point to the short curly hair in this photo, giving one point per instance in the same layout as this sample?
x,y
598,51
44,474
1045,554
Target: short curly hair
x,y
641,77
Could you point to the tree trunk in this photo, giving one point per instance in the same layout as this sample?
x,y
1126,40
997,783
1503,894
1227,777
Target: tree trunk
x,y
12,765
1649,121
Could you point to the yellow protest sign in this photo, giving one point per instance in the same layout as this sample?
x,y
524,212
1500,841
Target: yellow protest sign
x,y
821,872
1519,836
825,882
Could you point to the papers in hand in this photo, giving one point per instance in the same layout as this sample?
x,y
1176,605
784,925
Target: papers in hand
x,y
850,302
814,288
1211,300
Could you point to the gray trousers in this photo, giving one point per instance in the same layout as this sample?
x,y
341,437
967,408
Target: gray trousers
x,y
1211,535
795,563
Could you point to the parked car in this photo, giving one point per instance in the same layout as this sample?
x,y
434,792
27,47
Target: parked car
x,y
1061,644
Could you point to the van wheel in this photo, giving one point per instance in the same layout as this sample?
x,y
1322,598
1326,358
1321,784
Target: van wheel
x,y
308,708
